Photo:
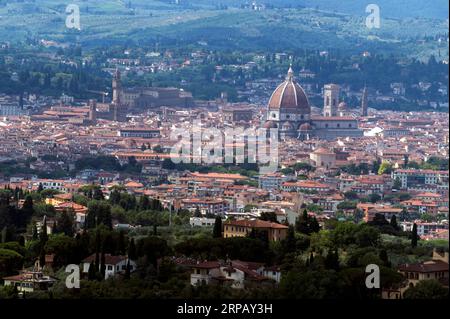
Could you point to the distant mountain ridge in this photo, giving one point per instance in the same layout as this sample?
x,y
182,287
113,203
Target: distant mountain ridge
x,y
436,9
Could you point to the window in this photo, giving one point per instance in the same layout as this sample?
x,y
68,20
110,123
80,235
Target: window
x,y
339,125
288,116
110,267
302,117
326,125
274,115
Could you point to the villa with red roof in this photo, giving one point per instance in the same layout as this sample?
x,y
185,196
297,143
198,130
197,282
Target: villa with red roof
x,y
243,227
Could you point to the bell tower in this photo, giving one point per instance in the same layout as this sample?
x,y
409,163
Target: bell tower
x,y
364,102
116,87
330,99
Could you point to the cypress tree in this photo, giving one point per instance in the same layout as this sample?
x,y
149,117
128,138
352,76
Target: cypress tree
x,y
97,251
332,260
314,225
414,237
16,194
197,212
290,241
92,271
302,224
43,236
4,235
384,258
393,222
121,243
217,231
144,203
42,257
34,234
28,207
132,250
65,223
128,270
311,258
103,265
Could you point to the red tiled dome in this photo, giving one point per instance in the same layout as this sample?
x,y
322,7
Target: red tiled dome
x,y
287,126
290,96
305,127
270,124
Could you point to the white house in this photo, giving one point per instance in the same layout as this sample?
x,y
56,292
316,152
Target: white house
x,y
237,274
201,221
114,264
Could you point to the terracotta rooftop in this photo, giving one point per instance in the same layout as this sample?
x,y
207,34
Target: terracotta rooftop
x,y
428,266
255,223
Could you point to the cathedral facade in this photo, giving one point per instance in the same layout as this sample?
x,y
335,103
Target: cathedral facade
x,y
289,112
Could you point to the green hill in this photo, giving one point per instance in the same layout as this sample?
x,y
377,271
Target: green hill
x,y
147,21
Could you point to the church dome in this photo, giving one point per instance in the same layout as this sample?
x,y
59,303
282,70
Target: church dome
x,y
270,124
287,126
290,96
305,127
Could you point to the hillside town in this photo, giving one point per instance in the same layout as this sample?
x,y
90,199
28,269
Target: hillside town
x,y
348,163
206,153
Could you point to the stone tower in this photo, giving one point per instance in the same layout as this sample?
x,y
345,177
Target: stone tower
x,y
92,110
117,108
116,88
364,102
330,99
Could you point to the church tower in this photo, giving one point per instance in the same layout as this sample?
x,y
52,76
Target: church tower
x,y
116,87
364,102
117,108
330,99
92,110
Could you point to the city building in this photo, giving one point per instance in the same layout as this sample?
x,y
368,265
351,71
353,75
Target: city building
x,y
423,180
30,281
235,114
139,132
243,227
114,264
235,274
436,268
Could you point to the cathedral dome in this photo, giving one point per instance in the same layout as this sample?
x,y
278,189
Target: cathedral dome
x,y
290,96
270,124
287,126
305,127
